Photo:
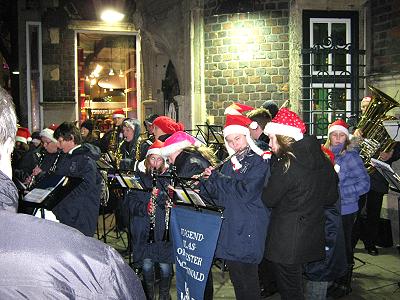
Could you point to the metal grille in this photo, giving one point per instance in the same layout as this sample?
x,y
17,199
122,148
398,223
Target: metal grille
x,y
333,78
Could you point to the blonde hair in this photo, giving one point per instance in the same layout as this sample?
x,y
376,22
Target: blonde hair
x,y
205,152
285,151
346,145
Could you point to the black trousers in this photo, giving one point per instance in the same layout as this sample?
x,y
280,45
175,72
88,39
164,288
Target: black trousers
x,y
245,280
372,201
290,281
266,274
348,224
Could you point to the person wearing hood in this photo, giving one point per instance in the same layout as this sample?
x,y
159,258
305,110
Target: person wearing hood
x,y
354,181
80,208
44,259
301,184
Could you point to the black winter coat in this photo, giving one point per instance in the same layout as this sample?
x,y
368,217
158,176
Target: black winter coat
x,y
335,264
297,198
159,251
80,209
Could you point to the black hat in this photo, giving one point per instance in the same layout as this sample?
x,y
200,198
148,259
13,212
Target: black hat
x,y
271,106
150,119
88,124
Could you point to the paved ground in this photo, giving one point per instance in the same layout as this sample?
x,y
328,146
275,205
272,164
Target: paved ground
x,y
375,277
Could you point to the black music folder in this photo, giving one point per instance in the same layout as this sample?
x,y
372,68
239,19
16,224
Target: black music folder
x,y
50,191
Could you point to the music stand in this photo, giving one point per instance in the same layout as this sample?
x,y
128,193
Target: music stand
x,y
50,191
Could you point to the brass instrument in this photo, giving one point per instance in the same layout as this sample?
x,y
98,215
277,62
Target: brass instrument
x,y
375,138
113,145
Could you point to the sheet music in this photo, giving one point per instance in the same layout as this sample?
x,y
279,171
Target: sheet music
x,y
196,199
37,195
381,164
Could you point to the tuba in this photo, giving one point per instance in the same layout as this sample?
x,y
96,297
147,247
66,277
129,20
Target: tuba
x,y
375,138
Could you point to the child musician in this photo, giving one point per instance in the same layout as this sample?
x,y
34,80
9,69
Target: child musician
x,y
238,188
150,214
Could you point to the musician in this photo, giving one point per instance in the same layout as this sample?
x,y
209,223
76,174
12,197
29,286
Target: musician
x,y
44,259
302,183
24,160
80,208
353,182
129,146
87,132
238,188
146,143
49,157
164,127
260,118
372,201
148,227
112,138
189,158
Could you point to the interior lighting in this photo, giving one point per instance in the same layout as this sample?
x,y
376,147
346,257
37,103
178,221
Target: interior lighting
x,y
111,16
121,74
15,72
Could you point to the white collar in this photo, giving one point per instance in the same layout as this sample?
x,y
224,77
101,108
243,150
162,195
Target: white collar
x,y
72,150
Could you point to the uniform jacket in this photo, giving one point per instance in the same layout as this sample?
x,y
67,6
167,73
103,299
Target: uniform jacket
x,y
297,198
159,251
41,259
80,209
245,221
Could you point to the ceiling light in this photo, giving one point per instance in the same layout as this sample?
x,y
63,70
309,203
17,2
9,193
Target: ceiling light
x,y
121,74
111,16
111,73
15,72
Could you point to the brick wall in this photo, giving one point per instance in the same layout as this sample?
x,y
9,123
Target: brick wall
x,y
58,55
246,56
385,20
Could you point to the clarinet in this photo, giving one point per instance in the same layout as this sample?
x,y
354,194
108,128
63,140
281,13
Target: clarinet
x,y
54,166
168,205
32,181
152,201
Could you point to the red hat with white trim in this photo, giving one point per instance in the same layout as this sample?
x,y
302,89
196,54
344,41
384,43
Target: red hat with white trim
x,y
339,125
287,123
238,124
119,113
23,135
168,125
178,141
155,148
53,126
237,109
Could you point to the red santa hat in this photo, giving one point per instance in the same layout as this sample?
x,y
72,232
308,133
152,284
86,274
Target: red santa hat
x,y
178,141
23,135
48,133
287,123
338,125
237,109
238,124
168,125
119,113
53,126
155,148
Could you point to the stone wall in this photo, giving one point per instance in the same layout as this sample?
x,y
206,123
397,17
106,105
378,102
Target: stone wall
x,y
385,36
246,57
58,64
